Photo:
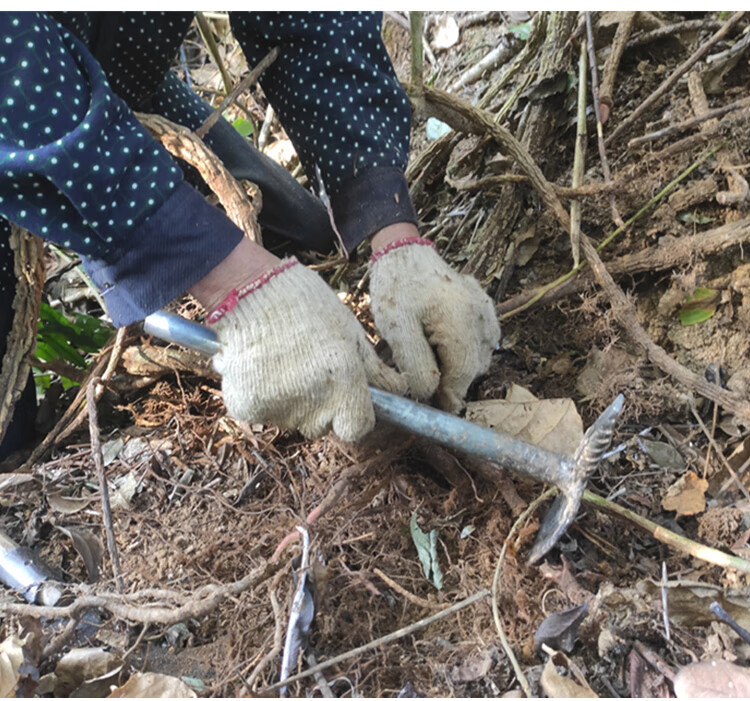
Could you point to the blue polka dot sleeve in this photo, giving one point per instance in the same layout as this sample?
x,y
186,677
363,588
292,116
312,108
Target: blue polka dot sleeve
x,y
338,97
77,168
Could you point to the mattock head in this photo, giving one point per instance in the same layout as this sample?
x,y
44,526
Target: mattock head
x,y
585,461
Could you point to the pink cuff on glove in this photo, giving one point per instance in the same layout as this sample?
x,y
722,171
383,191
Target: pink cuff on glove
x,y
231,300
400,243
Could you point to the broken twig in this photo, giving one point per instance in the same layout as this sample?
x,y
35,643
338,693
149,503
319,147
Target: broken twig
x,y
183,143
616,218
541,292
170,608
690,123
250,79
624,27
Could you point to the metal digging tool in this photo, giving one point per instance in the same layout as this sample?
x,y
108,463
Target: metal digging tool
x,y
568,474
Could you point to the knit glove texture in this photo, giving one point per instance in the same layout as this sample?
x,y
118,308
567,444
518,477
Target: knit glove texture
x,y
441,325
293,355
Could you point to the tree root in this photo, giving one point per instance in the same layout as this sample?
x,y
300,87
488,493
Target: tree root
x,y
670,254
183,143
130,607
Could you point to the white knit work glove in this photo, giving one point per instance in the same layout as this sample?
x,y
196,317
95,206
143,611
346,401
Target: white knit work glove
x,y
293,355
419,303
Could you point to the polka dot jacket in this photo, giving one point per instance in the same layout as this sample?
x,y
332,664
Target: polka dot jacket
x,y
77,168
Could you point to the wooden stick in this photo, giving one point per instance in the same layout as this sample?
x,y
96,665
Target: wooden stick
x,y
616,218
579,158
75,414
96,449
691,25
197,605
690,123
419,601
417,60
648,104
250,79
624,27
668,255
28,269
462,116
626,316
208,39
538,294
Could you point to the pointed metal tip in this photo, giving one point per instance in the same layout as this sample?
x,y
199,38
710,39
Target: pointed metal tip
x,y
617,404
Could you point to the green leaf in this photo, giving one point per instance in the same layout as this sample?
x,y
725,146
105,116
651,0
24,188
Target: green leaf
x,y
522,31
701,305
703,294
695,316
426,545
243,126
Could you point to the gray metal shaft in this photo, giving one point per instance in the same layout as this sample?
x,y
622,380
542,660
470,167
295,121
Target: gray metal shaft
x,y
468,437
22,570
443,428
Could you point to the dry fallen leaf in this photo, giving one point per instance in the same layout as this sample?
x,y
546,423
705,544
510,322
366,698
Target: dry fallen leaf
x,y
88,546
122,492
686,496
712,679
477,666
11,659
152,685
556,686
82,665
553,424
67,505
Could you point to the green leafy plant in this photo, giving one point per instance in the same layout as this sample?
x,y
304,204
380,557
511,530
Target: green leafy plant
x,y
59,337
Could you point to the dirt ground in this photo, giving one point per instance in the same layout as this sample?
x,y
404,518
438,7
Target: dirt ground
x,y
202,501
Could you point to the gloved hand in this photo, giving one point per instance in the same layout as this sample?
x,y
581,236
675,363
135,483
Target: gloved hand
x,y
293,355
419,303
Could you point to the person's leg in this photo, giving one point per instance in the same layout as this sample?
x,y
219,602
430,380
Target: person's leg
x,y
21,428
289,213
